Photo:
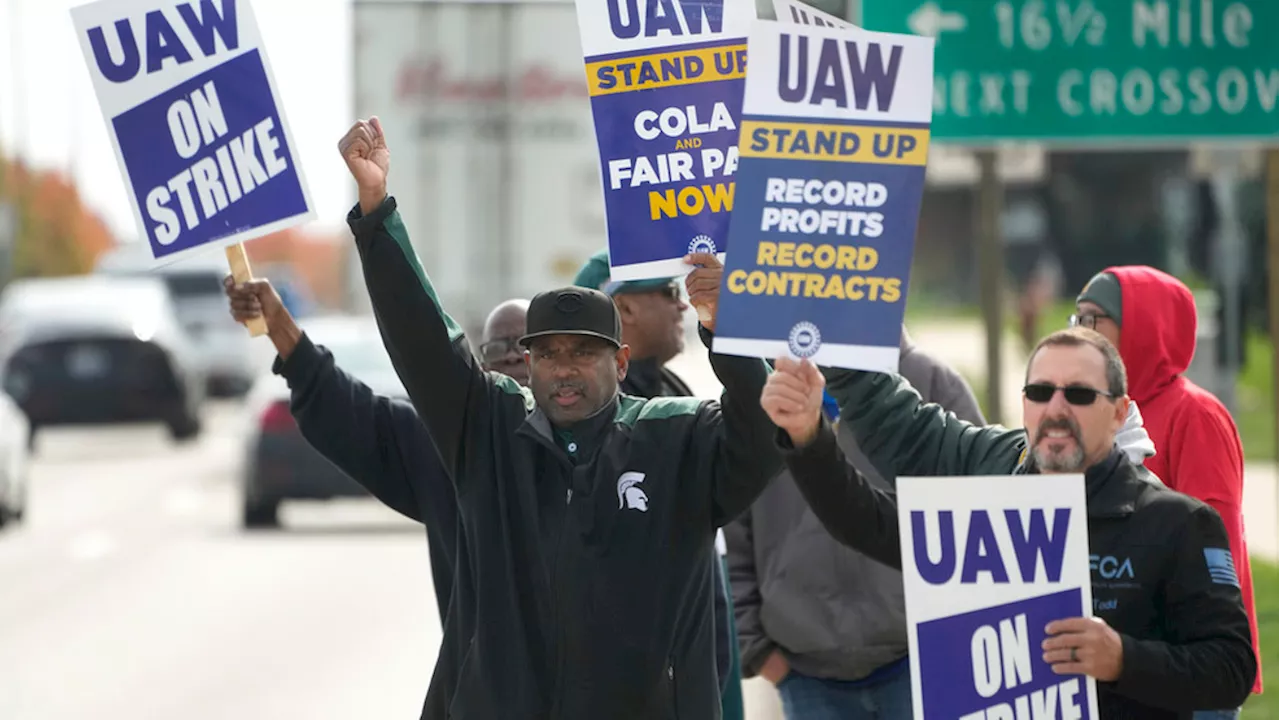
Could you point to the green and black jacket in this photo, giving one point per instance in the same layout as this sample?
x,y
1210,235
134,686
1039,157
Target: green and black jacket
x,y
585,592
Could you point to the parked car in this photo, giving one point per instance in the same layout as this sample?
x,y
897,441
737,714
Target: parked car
x,y
279,463
98,350
14,443
195,283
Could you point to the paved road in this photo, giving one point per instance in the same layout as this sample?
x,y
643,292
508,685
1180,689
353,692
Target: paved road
x,y
131,594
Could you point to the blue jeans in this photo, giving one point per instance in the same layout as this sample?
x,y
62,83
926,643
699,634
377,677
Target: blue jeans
x,y
810,698
1216,714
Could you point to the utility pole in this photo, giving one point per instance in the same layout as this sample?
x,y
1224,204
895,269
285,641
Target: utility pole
x,y
991,276
1273,283
19,88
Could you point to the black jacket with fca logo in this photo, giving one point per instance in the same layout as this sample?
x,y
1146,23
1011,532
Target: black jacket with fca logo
x,y
586,591
1162,573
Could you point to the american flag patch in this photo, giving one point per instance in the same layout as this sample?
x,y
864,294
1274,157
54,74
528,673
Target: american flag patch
x,y
1222,570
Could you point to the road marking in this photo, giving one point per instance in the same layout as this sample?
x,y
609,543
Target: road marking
x,y
92,546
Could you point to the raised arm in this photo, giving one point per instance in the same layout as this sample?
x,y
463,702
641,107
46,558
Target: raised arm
x,y
368,436
743,435
745,457
444,381
856,513
376,441
903,436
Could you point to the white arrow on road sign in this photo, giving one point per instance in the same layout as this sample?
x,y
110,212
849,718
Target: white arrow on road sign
x,y
930,20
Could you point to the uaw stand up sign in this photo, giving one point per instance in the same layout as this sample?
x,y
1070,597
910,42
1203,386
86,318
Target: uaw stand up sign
x,y
835,138
665,80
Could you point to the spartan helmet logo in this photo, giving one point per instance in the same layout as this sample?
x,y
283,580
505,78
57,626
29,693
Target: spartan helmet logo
x,y
629,493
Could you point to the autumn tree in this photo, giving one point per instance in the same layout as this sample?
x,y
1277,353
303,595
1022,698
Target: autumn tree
x,y
54,233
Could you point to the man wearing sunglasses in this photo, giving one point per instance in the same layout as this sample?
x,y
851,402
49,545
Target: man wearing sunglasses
x,y
1169,635
824,625
1150,316
652,316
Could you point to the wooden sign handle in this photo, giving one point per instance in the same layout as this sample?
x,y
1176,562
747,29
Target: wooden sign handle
x,y
240,270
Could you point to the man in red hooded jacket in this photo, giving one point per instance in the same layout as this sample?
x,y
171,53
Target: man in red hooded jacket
x,y
1151,317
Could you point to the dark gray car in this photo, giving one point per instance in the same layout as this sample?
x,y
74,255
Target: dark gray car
x,y
280,464
96,350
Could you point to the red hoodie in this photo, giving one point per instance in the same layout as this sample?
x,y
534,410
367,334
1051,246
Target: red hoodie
x,y
1198,450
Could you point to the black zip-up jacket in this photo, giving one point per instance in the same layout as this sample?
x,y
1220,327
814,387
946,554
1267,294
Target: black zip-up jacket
x,y
378,442
585,592
647,379
1185,636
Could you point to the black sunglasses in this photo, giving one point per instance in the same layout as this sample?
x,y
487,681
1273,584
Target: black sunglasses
x,y
1074,394
1087,320
670,291
495,350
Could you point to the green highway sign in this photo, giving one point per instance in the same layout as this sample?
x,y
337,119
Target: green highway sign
x,y
1096,72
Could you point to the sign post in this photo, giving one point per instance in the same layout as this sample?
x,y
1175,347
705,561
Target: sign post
x,y
1272,169
991,278
8,238
238,260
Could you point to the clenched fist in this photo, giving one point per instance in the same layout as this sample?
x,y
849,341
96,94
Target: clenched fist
x,y
364,149
703,286
792,398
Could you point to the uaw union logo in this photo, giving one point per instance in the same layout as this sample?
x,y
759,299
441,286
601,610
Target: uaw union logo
x,y
804,339
702,244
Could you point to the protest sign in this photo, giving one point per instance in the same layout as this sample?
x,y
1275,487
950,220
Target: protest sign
x,y
987,563
835,136
797,13
194,116
666,82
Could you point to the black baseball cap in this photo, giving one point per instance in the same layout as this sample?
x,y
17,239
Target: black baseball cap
x,y
573,311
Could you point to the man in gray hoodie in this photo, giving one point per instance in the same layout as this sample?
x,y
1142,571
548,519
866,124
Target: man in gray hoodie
x,y
825,623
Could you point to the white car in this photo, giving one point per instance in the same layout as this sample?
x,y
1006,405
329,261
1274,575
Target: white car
x,y
15,441
98,350
195,284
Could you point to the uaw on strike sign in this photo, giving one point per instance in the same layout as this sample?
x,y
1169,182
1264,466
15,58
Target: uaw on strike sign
x,y
192,110
987,563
